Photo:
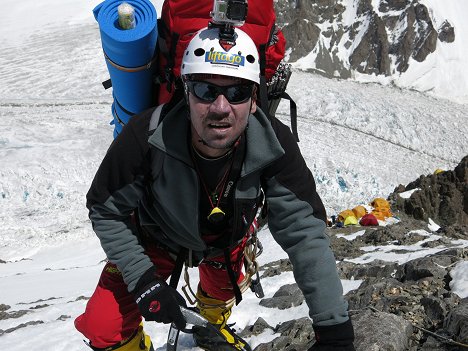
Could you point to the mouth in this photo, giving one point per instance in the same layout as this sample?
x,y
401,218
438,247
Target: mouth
x,y
219,125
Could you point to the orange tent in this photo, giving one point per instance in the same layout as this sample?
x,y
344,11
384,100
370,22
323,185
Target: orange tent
x,y
381,208
359,211
345,214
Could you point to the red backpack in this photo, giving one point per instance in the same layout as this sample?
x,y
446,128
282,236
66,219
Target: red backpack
x,y
181,19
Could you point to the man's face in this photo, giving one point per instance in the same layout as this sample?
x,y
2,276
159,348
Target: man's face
x,y
217,125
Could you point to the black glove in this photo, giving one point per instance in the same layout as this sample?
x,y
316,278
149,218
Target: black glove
x,y
337,337
158,301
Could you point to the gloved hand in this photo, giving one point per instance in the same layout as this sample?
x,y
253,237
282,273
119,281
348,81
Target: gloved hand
x,y
157,301
337,337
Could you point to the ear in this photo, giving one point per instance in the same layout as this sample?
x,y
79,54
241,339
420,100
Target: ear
x,y
253,105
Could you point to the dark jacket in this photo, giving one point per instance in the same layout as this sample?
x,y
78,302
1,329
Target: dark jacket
x,y
273,162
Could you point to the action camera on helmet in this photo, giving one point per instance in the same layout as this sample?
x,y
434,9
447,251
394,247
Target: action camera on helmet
x,y
229,12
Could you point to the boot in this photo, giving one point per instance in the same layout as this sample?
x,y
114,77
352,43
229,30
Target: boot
x,y
218,316
208,340
140,341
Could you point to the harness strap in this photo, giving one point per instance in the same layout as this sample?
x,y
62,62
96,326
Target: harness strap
x,y
175,276
232,276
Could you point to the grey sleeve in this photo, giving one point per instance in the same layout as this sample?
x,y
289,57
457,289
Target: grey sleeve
x,y
302,235
114,228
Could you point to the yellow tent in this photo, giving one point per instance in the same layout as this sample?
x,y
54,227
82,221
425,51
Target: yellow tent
x,y
350,220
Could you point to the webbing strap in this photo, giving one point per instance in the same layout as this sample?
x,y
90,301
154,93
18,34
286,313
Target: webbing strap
x,y
130,69
293,112
232,275
234,173
176,272
117,116
123,108
107,84
263,85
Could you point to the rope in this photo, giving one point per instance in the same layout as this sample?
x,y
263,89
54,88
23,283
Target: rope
x,y
251,268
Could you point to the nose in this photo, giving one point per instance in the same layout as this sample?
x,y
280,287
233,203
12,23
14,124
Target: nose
x,y
221,105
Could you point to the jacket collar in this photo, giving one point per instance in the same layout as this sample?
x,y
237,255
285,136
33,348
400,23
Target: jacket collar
x,y
172,136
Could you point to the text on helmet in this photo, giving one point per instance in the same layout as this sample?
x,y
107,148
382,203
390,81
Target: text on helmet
x,y
218,57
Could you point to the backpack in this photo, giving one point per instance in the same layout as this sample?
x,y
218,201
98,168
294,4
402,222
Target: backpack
x,y
181,19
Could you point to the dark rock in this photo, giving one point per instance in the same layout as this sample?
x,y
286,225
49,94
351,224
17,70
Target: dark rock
x,y
13,314
456,322
400,233
371,55
374,269
276,268
63,317
304,34
257,328
381,331
442,197
286,297
318,26
454,231
296,335
82,298
4,307
447,32
379,293
39,306
435,309
426,37
439,242
394,5
343,248
458,253
434,266
22,325
433,344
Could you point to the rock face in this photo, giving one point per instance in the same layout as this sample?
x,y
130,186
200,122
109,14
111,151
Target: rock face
x,y
370,37
398,306
442,197
381,331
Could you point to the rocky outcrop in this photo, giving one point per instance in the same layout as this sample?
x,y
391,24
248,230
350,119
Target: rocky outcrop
x,y
342,37
398,306
442,197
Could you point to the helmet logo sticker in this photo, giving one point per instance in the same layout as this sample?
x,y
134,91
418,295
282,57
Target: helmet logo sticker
x,y
217,57
227,44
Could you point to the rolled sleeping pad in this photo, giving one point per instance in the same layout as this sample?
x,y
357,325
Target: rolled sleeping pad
x,y
130,57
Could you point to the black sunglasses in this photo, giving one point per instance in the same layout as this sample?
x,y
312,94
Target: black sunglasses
x,y
208,92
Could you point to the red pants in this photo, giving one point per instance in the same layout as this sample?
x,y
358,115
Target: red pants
x,y
112,315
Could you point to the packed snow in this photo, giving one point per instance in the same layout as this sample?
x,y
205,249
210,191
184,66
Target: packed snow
x,y
359,140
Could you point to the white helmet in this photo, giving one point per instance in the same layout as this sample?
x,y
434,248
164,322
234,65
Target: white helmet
x,y
205,54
